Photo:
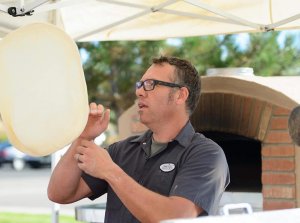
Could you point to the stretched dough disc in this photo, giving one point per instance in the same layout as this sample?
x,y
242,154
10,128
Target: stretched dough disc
x,y
43,94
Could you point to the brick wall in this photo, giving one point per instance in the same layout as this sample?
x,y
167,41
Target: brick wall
x,y
278,163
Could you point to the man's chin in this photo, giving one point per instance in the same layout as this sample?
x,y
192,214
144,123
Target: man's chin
x,y
143,120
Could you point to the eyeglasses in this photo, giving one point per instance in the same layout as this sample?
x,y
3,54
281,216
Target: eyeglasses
x,y
150,84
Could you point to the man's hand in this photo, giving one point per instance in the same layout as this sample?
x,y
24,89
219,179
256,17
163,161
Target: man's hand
x,y
97,122
93,159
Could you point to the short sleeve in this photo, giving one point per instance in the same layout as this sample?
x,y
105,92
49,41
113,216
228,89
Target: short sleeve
x,y
97,186
202,176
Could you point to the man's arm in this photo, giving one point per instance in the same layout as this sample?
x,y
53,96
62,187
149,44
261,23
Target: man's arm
x,y
66,184
145,205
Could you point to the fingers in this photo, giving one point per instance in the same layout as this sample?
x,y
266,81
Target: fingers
x,y
77,157
85,147
93,108
81,149
80,152
100,109
96,109
87,144
106,117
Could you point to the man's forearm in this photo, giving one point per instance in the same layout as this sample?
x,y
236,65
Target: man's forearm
x,y
146,205
65,177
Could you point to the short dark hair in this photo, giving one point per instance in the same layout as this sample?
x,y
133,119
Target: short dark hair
x,y
186,75
294,125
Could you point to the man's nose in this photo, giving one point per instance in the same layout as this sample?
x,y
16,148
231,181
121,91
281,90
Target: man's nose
x,y
140,92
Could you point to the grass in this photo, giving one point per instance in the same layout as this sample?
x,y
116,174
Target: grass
x,y
8,217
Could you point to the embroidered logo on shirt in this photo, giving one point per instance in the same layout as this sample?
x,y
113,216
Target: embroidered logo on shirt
x,y
167,167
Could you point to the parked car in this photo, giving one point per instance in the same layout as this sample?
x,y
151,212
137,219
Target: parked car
x,y
9,154
3,145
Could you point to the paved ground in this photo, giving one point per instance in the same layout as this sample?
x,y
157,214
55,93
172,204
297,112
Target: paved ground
x,y
26,191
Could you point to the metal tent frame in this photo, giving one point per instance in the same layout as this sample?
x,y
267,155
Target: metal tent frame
x,y
219,15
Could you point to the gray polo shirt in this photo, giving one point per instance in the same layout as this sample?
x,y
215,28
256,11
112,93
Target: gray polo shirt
x,y
191,166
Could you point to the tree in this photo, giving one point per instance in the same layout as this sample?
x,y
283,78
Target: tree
x,y
264,54
204,52
112,68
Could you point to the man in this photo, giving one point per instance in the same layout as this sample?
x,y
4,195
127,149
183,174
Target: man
x,y
294,125
168,172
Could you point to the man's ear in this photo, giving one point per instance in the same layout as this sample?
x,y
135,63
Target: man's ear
x,y
183,95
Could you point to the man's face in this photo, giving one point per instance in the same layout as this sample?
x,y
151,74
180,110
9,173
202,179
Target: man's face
x,y
156,105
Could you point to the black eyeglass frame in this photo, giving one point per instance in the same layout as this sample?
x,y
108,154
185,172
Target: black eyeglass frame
x,y
139,84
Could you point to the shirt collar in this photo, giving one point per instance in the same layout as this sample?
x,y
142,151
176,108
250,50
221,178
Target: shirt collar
x,y
183,138
186,134
144,137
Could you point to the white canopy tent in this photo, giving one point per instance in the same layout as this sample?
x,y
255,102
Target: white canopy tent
x,y
90,20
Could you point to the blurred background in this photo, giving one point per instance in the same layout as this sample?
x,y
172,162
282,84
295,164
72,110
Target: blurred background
x,y
111,70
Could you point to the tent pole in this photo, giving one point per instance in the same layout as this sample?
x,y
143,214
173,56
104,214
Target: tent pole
x,y
282,22
197,16
22,5
224,14
59,5
112,25
133,5
55,213
146,11
3,8
35,4
55,207
22,9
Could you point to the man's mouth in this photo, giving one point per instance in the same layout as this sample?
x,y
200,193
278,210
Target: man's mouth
x,y
142,105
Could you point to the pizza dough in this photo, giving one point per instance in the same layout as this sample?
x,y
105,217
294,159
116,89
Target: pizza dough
x,y
43,94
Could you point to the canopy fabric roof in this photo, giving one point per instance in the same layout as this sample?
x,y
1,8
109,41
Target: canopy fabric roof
x,y
92,20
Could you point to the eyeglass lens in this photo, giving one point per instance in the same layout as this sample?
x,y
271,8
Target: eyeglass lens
x,y
148,85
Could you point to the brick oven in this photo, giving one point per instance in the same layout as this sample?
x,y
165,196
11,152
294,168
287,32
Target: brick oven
x,y
248,117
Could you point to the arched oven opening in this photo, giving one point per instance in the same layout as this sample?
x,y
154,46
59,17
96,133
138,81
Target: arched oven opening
x,y
245,164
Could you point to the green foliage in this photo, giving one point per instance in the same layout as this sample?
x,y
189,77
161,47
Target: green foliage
x,y
265,55
3,136
199,50
7,217
112,68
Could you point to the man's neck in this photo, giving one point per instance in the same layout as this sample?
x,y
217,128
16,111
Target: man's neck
x,y
165,133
